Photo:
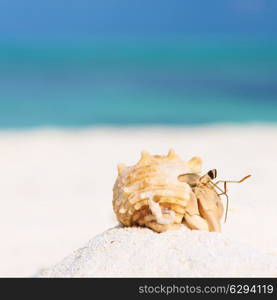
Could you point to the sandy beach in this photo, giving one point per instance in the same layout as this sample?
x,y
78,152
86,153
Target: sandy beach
x,y
56,185
141,252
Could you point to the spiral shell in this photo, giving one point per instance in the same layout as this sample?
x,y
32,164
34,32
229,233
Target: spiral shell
x,y
150,194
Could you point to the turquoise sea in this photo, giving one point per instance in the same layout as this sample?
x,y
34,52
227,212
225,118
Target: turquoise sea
x,y
125,81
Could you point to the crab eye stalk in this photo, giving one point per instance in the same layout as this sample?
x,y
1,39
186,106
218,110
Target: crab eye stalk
x,y
212,174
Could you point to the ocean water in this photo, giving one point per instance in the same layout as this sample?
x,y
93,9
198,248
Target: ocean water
x,y
93,82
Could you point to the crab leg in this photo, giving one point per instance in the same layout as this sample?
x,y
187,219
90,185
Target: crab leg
x,y
195,222
223,193
162,227
192,218
208,207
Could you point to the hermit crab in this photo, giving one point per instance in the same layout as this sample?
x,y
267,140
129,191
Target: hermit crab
x,y
165,192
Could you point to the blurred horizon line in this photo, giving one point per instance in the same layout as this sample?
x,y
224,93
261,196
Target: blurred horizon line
x,y
204,37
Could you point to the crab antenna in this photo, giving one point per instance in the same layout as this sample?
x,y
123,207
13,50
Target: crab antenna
x,y
244,178
227,208
235,181
225,190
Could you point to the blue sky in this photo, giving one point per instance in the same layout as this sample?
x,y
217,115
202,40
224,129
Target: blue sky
x,y
131,17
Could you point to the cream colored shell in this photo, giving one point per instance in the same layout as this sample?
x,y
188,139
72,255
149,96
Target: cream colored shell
x,y
150,194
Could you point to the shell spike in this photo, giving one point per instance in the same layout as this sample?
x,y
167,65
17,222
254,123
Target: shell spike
x,y
171,153
145,156
121,168
195,165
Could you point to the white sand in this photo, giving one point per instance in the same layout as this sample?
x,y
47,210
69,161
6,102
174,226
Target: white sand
x,y
56,186
139,252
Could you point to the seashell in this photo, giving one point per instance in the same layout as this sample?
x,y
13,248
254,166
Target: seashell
x,y
150,194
